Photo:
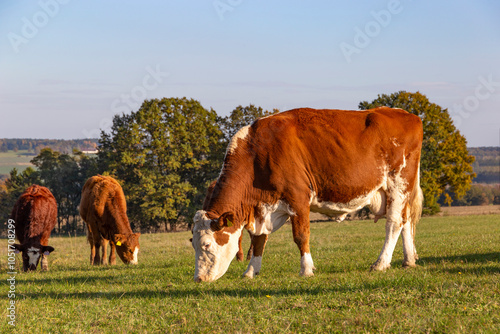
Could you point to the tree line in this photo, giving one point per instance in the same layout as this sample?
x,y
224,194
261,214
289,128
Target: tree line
x,y
487,164
167,152
35,146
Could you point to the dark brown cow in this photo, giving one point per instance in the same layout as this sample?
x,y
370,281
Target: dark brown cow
x,y
35,215
104,209
329,161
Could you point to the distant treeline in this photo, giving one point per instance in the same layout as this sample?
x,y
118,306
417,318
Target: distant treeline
x,y
487,164
36,145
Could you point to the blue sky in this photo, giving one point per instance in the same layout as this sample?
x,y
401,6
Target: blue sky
x,y
67,66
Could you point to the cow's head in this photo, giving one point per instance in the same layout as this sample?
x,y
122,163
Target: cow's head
x,y
127,247
32,253
215,242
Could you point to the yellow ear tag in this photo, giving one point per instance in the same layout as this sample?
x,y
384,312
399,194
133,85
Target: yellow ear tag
x,y
118,243
229,223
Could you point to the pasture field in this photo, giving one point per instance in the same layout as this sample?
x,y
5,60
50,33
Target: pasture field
x,y
454,289
11,159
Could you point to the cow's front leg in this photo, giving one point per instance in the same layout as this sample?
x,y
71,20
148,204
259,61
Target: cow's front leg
x,y
104,258
92,253
239,255
258,244
301,233
112,253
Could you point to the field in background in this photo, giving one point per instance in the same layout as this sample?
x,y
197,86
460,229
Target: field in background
x,y
454,289
11,159
470,210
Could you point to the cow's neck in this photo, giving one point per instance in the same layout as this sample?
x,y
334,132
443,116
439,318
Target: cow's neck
x,y
232,193
122,225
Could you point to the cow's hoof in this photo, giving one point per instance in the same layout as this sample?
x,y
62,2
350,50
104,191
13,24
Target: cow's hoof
x,y
379,267
407,265
307,273
250,273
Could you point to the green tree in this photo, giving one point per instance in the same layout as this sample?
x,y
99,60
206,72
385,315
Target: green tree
x,y
164,154
445,161
240,117
65,175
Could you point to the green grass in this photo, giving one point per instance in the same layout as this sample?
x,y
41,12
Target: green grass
x,y
455,288
11,159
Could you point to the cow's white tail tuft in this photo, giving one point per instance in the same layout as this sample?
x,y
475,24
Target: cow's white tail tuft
x,y
416,203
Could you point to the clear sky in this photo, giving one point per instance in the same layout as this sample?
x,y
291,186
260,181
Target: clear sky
x,y
67,66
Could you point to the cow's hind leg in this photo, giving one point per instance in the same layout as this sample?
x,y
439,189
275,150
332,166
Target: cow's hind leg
x,y
409,250
258,244
392,231
97,254
94,241
393,228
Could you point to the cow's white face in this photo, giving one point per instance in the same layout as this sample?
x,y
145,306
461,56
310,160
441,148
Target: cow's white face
x,y
32,254
214,249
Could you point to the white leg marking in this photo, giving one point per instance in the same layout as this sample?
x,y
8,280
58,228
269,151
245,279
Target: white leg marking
x,y
306,265
398,195
409,250
392,231
253,267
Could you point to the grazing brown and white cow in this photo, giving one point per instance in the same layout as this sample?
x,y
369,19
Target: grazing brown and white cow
x,y
334,162
104,209
34,215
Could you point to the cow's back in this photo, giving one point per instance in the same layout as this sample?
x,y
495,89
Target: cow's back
x,y
341,153
103,206
35,214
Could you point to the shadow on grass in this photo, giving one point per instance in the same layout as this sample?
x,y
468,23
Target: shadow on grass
x,y
201,292
457,263
465,258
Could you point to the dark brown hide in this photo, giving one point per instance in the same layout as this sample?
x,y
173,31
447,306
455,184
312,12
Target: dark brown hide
x,y
35,215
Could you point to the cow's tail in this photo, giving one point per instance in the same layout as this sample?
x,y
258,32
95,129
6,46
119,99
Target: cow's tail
x,y
416,203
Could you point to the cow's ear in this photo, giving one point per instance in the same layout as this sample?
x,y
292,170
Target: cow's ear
x,y
46,250
18,248
226,220
119,239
